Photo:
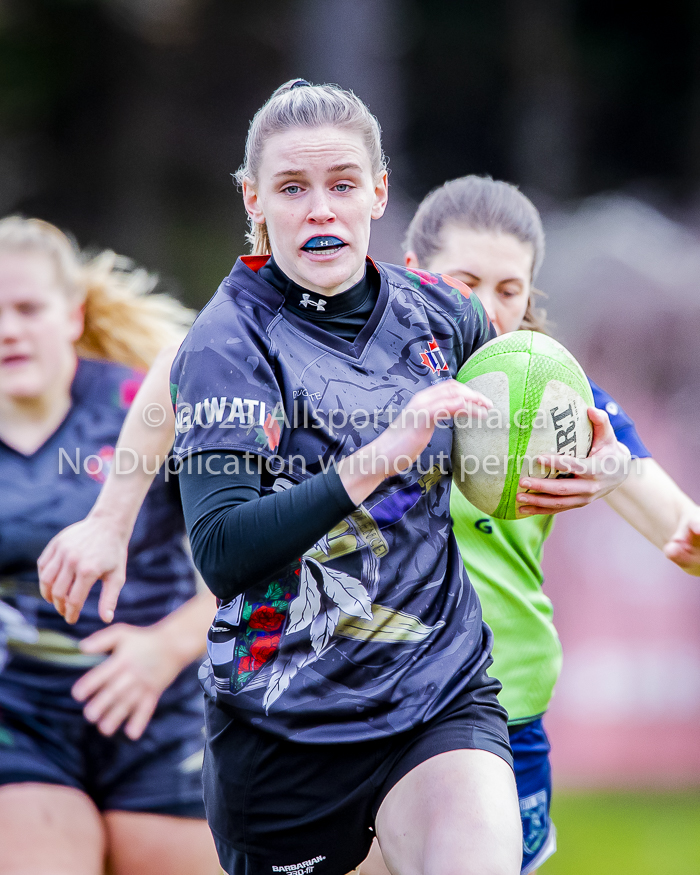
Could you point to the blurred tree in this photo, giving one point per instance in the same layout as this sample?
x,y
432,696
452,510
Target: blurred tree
x,y
121,120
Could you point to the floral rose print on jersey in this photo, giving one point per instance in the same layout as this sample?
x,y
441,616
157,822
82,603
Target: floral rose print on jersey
x,y
272,432
461,287
422,276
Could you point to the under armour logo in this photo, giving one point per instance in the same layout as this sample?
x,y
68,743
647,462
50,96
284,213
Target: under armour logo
x,y
307,302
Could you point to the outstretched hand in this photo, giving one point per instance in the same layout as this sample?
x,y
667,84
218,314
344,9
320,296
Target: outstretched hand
x,y
684,547
124,689
605,467
75,559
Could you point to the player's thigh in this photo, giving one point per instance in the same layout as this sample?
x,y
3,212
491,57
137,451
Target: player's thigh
x,y
374,864
46,829
454,814
159,844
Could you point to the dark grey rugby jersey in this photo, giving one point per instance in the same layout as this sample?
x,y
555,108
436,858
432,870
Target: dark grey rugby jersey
x,y
376,628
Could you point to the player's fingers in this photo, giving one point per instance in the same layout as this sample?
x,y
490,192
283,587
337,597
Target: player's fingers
x,y
92,681
84,580
567,464
120,688
141,716
531,510
46,556
112,584
113,717
675,549
474,397
47,576
62,586
603,432
451,393
554,504
103,640
560,486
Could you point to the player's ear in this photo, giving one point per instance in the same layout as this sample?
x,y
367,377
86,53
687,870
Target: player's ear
x,y
252,204
381,195
76,318
410,259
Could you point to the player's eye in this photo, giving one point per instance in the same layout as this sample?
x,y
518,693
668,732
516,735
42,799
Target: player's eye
x,y
292,189
468,279
29,308
342,187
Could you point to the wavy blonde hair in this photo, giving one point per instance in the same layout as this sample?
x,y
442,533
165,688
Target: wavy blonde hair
x,y
297,104
124,321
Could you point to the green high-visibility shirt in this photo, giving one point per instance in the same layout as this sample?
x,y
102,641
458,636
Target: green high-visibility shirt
x,y
503,559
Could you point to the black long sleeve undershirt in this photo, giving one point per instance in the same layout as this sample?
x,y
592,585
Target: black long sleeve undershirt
x,y
239,538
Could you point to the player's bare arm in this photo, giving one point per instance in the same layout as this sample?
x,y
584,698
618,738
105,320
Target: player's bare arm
x,y
653,503
96,548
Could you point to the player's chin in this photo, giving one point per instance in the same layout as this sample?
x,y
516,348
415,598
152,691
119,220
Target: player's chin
x,y
330,270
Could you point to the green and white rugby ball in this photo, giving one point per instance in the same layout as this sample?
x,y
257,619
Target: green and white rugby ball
x,y
540,396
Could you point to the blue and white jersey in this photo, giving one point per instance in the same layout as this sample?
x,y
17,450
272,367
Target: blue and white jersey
x,y
47,490
376,628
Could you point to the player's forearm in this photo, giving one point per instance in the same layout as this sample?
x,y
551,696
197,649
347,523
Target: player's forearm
x,y
144,443
651,502
239,538
184,632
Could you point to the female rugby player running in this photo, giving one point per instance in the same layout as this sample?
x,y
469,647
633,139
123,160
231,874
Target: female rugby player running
x,y
347,686
76,791
490,236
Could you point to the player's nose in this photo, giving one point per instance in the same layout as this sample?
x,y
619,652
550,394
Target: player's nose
x,y
320,210
488,302
10,325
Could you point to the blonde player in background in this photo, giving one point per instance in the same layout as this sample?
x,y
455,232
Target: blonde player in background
x,y
100,726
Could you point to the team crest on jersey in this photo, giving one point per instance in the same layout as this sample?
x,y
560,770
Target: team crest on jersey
x,y
433,358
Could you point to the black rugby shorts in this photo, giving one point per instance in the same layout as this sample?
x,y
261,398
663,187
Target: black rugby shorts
x,y
44,738
275,805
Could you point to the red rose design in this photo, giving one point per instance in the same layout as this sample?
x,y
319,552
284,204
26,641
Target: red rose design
x,y
264,647
272,432
248,663
424,276
265,618
461,287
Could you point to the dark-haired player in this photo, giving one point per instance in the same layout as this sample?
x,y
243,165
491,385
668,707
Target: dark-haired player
x,y
489,235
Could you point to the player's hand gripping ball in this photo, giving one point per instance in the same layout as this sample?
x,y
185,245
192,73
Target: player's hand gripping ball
x,y
540,396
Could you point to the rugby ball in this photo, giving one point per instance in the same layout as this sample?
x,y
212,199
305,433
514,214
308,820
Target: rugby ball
x,y
540,397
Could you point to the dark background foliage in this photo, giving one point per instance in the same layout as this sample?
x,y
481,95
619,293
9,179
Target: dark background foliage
x,y
121,120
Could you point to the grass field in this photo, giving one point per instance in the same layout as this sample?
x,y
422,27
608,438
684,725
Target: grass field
x,y
626,834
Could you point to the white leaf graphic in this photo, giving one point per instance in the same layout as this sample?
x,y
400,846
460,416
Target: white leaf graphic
x,y
307,604
323,627
283,670
347,592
